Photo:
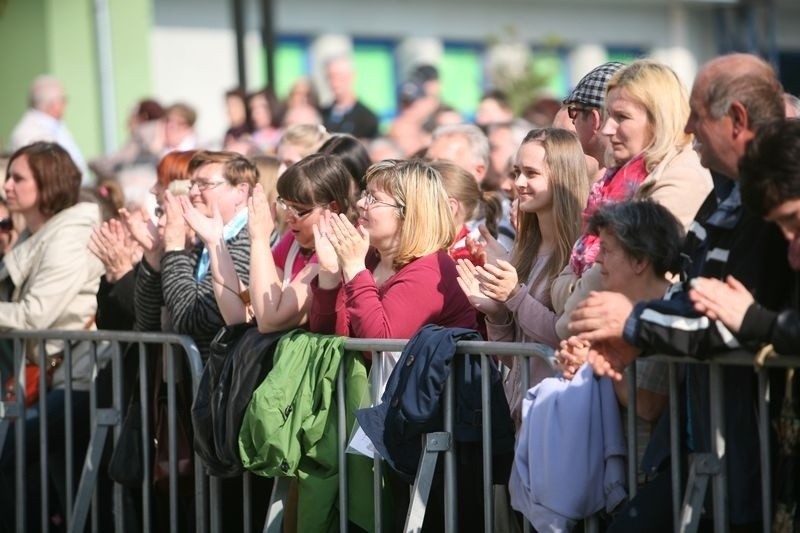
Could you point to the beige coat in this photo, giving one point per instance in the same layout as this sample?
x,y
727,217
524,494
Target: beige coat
x,y
679,183
50,279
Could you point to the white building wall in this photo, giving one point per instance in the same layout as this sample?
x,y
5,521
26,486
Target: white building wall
x,y
193,46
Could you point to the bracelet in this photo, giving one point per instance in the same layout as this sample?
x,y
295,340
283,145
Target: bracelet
x,y
244,295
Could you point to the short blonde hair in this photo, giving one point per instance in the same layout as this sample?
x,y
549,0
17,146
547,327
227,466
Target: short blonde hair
x,y
417,188
659,90
307,138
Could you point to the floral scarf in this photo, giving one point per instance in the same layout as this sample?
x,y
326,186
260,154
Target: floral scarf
x,y
617,185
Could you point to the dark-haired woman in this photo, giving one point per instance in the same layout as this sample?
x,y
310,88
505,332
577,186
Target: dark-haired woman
x,y
48,281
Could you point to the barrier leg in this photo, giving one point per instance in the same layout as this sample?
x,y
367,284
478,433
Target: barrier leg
x,y
704,466
280,491
434,444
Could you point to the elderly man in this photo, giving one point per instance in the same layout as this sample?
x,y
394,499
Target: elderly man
x,y
346,114
585,105
732,97
43,121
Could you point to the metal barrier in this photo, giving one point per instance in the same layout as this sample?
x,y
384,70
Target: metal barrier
x,y
105,348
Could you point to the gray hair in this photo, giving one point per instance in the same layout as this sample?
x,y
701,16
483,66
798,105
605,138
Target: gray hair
x,y
793,102
645,230
45,90
749,80
476,139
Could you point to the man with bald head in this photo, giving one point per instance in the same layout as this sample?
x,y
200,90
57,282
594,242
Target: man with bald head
x,y
43,120
732,97
347,114
468,147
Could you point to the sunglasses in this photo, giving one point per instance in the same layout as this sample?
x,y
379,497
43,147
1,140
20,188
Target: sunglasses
x,y
573,111
6,224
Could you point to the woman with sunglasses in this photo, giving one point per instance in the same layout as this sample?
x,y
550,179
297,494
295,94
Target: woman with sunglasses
x,y
279,290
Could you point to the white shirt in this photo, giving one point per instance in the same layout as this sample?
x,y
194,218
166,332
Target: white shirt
x,y
38,126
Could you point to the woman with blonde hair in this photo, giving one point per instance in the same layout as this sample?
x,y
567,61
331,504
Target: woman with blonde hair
x,y
392,274
552,184
647,108
299,141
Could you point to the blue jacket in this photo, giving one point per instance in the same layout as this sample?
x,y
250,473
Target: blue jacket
x,y
412,401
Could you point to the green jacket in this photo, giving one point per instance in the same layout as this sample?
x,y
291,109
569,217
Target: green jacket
x,y
290,429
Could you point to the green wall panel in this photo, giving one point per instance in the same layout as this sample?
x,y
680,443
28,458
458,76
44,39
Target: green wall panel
x,y
290,64
23,56
461,74
376,82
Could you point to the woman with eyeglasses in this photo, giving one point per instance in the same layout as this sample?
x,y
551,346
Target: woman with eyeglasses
x,y
647,108
392,274
280,277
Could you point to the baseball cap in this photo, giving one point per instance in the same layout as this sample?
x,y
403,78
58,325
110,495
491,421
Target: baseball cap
x,y
591,90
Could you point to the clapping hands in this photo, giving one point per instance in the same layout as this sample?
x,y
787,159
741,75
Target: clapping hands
x,y
260,223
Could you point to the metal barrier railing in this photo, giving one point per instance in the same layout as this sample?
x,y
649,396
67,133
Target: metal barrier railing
x,y
105,347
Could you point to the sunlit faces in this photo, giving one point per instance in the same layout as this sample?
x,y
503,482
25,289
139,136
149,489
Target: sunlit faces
x,y
379,215
711,135
532,179
455,148
627,126
22,193
288,155
617,267
300,220
210,188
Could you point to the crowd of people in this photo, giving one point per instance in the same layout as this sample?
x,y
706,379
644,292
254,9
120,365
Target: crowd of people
x,y
638,220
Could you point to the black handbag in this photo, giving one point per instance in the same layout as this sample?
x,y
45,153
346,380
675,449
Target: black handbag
x,y
126,465
240,358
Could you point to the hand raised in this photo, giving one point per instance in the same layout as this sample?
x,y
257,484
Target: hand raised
x,y
498,281
351,243
208,229
110,245
726,301
326,255
260,224
175,228
470,285
493,249
141,228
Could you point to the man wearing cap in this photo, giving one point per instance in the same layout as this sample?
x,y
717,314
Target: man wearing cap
x,y
347,114
585,105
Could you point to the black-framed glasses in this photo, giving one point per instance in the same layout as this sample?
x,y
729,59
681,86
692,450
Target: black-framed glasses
x,y
297,213
370,200
573,110
205,185
6,224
